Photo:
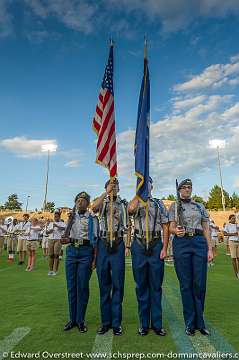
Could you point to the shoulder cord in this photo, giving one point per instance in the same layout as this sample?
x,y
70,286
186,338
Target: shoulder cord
x,y
199,207
156,206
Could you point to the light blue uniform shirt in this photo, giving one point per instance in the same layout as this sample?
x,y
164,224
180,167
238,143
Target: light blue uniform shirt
x,y
193,214
80,227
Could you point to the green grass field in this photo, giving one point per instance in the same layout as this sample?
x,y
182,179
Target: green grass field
x,y
39,302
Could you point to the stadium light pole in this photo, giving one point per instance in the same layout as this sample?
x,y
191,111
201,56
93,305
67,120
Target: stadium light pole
x,y
219,144
49,148
27,202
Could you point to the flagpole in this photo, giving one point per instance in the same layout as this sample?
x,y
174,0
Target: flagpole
x,y
111,193
147,203
147,225
102,126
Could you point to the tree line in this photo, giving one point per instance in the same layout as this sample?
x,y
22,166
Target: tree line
x,y
214,201
13,203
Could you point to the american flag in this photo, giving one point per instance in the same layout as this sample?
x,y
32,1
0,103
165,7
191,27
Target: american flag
x,y
104,121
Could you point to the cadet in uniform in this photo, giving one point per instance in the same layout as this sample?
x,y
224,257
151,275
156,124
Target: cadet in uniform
x,y
148,264
54,231
82,232
23,228
110,265
192,250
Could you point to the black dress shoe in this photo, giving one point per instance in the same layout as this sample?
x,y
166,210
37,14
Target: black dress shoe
x,y
103,329
82,327
160,332
117,331
189,332
143,331
69,326
204,332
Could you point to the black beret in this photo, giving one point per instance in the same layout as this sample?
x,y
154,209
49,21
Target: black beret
x,y
184,182
83,195
108,182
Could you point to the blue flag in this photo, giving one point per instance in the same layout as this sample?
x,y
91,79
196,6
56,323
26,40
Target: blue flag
x,y
142,138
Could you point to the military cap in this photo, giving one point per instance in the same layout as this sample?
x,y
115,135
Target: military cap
x,y
115,181
83,195
57,211
184,182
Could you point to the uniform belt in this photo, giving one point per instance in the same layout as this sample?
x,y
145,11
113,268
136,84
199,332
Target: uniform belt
x,y
116,241
116,234
151,244
152,234
79,242
194,232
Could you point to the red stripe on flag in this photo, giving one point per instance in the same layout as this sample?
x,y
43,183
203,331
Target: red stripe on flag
x,y
113,149
113,171
99,111
106,145
96,125
106,122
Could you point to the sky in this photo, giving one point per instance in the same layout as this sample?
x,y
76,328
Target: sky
x,y
52,60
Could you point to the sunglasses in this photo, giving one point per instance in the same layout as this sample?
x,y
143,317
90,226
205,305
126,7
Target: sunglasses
x,y
184,187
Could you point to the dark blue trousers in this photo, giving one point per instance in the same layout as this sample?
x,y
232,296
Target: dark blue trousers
x,y
111,274
190,259
78,272
148,274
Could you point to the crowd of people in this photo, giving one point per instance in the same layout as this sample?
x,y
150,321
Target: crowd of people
x,y
100,234
22,239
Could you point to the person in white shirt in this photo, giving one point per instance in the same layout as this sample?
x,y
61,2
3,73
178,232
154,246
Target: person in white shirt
x,y
55,231
214,229
32,243
3,231
44,244
22,229
231,230
226,241
12,240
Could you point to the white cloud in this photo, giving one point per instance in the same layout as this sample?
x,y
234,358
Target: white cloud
x,y
24,147
232,112
37,36
6,27
180,141
124,16
179,147
72,164
198,105
75,14
214,76
236,182
234,58
177,14
179,103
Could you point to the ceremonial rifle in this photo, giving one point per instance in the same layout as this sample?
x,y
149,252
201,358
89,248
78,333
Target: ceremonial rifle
x,y
178,208
66,236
